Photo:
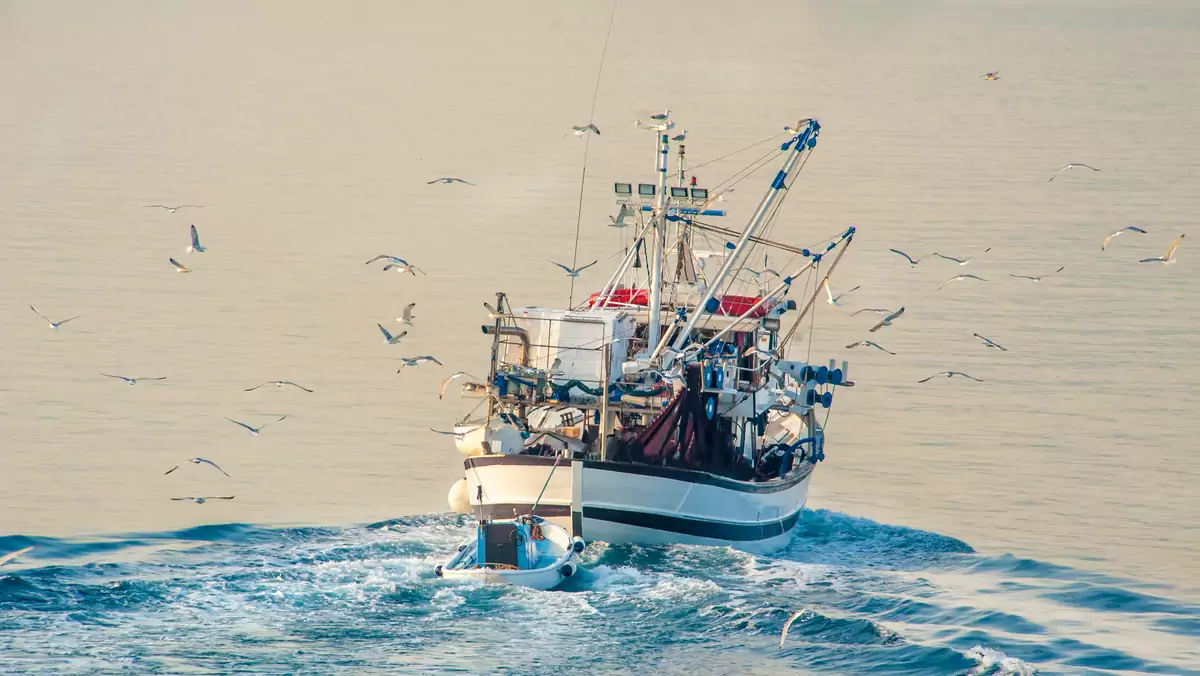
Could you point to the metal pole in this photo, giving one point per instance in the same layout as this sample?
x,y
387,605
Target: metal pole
x,y
604,404
799,146
660,221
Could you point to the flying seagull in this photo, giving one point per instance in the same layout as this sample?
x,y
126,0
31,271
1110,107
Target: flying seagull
x,y
197,461
406,317
446,382
416,361
204,499
574,272
960,278
389,338
1167,257
867,343
618,221
887,321
661,116
179,267
1104,244
492,313
876,310
402,268
788,625
195,246
1073,165
801,125
589,127
279,384
53,325
131,381
992,76
254,430
1037,279
172,209
990,343
13,555
950,374
771,271
910,259
457,435
960,261
448,179
385,257
831,299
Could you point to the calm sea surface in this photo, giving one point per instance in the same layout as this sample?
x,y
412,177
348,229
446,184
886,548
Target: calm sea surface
x,y
1047,518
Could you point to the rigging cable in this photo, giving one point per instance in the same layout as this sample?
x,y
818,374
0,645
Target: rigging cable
x,y
587,142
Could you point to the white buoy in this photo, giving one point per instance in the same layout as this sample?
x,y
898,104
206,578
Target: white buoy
x,y
459,497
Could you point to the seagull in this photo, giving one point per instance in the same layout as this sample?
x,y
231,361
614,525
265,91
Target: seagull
x,y
448,179
960,278
661,116
580,131
406,316
1073,165
910,259
13,555
446,382
53,325
389,338
992,76
990,343
1104,244
197,461
680,137
801,125
179,267
1036,279
457,435
887,321
132,381
279,384
1167,257
618,221
960,261
416,361
202,500
876,310
195,246
950,374
831,299
385,257
788,625
492,313
867,343
771,271
574,272
254,430
402,268
172,209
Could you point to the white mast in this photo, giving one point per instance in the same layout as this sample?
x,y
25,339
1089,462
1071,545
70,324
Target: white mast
x,y
800,143
656,257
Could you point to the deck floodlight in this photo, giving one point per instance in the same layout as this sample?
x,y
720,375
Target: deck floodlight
x,y
646,189
699,193
679,193
623,189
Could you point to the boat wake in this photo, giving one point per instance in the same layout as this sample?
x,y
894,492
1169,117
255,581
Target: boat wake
x,y
872,599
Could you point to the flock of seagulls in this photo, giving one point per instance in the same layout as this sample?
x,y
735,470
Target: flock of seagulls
x,y
891,316
194,247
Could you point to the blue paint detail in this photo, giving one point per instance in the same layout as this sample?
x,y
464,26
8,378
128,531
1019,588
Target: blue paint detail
x,y
710,408
730,245
712,305
817,257
778,183
787,281
836,377
812,142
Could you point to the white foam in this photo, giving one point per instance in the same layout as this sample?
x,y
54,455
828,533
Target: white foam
x,y
995,663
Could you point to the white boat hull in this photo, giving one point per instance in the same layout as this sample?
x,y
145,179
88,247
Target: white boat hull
x,y
463,565
630,503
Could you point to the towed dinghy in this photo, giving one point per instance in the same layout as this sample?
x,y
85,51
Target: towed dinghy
x,y
527,551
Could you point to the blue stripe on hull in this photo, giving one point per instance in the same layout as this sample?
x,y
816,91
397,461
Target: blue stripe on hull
x,y
713,530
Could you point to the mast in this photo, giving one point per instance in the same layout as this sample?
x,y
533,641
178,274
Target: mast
x,y
799,144
656,257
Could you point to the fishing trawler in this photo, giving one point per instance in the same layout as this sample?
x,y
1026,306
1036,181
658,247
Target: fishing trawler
x,y
664,408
